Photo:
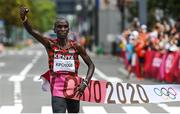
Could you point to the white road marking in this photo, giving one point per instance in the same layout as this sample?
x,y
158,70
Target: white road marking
x,y
11,109
102,75
17,94
108,78
94,109
134,109
17,79
37,79
26,69
84,76
114,79
170,109
123,71
90,109
2,64
46,110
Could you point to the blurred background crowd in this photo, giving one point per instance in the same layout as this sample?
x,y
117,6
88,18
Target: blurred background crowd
x,y
147,51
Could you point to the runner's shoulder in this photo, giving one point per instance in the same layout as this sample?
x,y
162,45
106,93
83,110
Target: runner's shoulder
x,y
75,45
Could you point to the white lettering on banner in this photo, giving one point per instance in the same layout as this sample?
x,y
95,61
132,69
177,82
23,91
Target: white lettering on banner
x,y
125,93
169,63
156,62
63,63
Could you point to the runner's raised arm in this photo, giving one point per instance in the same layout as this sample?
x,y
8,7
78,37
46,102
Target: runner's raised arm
x,y
42,39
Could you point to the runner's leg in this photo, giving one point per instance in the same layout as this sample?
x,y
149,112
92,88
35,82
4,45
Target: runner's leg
x,y
73,106
58,104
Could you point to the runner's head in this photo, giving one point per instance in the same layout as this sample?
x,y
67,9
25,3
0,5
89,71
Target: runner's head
x,y
61,28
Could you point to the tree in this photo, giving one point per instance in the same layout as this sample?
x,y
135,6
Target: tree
x,y
42,13
170,9
8,12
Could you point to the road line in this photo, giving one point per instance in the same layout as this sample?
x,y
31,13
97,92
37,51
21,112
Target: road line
x,y
26,69
17,79
84,76
30,65
123,71
108,78
46,110
37,79
102,75
94,109
11,109
170,109
134,109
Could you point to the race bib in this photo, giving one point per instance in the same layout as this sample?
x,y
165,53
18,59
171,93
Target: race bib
x,y
63,63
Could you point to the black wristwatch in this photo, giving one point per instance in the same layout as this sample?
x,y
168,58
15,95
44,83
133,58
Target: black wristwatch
x,y
85,82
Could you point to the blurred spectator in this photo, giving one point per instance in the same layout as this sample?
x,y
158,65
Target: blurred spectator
x,y
177,27
135,24
129,54
141,46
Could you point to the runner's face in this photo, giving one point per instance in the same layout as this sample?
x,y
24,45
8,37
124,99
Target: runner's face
x,y
62,29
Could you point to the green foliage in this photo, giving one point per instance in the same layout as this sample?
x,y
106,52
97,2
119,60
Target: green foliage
x,y
170,8
41,15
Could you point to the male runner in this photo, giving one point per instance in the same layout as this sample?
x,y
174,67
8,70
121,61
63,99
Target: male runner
x,y
63,62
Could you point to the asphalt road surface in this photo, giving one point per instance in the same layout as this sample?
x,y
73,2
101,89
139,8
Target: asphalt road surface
x,y
20,87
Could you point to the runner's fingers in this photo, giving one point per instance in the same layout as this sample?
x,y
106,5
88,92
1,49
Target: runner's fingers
x,y
79,94
23,10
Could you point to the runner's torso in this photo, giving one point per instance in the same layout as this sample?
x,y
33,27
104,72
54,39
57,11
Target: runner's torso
x,y
63,61
63,64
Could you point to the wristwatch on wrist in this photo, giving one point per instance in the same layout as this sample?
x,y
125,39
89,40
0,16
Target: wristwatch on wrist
x,y
25,19
85,82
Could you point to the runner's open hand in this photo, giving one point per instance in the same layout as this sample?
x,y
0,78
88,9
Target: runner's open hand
x,y
23,11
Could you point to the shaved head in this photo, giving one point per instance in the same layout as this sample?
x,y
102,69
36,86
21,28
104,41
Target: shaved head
x,y
61,28
61,20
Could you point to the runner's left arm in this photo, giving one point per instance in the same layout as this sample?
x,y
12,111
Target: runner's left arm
x,y
90,71
88,61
